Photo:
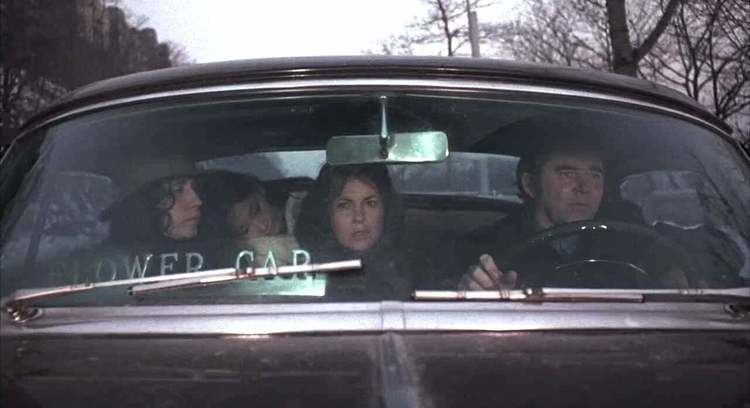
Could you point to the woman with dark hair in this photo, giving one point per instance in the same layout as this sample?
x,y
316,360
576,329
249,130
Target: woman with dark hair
x,y
353,212
164,210
154,224
159,202
239,208
236,207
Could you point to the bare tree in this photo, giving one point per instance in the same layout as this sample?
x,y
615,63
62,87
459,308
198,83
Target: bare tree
x,y
400,44
699,47
626,55
703,50
565,32
596,34
445,26
443,15
19,65
177,54
47,47
706,54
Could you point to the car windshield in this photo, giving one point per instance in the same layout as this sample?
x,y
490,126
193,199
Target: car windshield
x,y
565,192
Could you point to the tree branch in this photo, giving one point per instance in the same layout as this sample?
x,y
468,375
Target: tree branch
x,y
661,25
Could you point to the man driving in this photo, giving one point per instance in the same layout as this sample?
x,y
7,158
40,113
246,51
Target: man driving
x,y
561,181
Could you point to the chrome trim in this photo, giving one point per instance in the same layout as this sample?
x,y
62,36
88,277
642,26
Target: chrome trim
x,y
268,319
426,84
606,261
562,294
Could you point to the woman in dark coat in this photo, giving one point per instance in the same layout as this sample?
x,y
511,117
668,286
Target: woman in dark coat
x,y
153,225
352,212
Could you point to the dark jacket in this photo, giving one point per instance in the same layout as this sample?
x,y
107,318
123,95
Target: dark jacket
x,y
626,260
110,261
385,275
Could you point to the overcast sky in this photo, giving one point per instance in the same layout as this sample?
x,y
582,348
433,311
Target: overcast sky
x,y
217,30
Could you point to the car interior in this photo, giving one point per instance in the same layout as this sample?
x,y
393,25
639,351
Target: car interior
x,y
283,143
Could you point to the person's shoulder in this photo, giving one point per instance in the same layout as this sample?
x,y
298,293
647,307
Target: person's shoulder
x,y
509,225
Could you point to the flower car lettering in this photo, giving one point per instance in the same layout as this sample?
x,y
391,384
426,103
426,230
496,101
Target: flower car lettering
x,y
136,269
164,266
106,270
190,265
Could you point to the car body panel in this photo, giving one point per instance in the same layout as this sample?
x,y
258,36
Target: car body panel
x,y
264,319
369,67
513,369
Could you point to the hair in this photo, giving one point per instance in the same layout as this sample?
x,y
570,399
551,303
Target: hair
x,y
534,159
222,190
314,231
143,215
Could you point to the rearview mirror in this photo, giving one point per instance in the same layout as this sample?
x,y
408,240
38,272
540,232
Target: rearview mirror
x,y
417,147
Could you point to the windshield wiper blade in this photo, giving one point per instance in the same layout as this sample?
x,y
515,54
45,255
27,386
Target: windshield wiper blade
x,y
231,274
17,303
579,295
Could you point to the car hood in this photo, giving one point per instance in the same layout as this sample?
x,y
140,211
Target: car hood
x,y
432,354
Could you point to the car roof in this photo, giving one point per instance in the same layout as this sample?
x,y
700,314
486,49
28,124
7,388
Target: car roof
x,y
291,68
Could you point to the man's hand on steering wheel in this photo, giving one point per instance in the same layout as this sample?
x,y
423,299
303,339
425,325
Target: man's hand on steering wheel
x,y
487,276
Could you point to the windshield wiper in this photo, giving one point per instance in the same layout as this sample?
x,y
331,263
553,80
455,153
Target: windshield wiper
x,y
585,295
17,304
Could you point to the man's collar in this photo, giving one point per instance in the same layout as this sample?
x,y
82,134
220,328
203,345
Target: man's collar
x,y
529,222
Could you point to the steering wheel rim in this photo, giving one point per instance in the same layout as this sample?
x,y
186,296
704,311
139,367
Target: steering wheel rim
x,y
575,228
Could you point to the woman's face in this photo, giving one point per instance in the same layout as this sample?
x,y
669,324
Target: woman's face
x,y
357,215
253,217
185,211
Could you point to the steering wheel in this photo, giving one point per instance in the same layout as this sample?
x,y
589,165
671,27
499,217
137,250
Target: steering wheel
x,y
594,271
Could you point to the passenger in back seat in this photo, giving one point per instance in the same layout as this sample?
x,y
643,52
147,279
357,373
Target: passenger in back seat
x,y
154,225
237,206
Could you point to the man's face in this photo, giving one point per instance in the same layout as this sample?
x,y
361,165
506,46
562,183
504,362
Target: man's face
x,y
185,213
567,188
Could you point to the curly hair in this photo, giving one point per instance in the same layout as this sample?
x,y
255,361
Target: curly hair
x,y
144,215
314,231
220,191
